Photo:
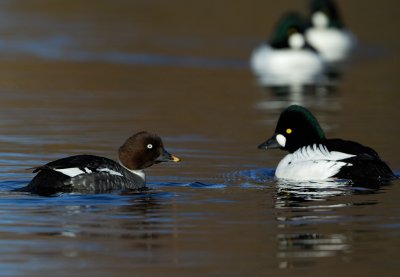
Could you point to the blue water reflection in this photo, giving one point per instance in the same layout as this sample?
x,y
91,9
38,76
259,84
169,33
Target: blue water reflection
x,y
300,205
307,215
63,48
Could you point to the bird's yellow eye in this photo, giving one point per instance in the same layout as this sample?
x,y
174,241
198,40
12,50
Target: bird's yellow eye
x,y
288,131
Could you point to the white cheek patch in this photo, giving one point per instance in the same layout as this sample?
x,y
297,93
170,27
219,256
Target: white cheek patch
x,y
296,41
281,140
320,20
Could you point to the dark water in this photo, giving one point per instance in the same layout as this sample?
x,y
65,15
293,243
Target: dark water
x,y
81,78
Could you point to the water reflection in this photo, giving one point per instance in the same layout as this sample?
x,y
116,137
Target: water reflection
x,y
278,98
311,245
318,206
139,218
312,219
62,48
136,227
289,194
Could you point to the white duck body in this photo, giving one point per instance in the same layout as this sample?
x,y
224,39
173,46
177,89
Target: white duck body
x,y
335,45
294,65
314,162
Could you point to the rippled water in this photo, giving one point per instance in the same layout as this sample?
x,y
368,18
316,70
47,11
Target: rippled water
x,y
78,78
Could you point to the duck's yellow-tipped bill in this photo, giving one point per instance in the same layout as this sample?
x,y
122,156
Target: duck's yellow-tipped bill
x,y
175,159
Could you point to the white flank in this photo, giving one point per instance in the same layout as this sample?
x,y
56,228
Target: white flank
x,y
87,170
334,45
311,163
110,171
71,172
286,66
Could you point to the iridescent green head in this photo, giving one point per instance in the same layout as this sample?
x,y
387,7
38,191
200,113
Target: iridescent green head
x,y
296,127
288,25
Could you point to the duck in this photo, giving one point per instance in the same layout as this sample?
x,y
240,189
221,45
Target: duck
x,y
328,34
313,157
287,58
95,174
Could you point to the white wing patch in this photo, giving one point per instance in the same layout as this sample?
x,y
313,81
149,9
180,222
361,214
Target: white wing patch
x,y
318,152
71,172
110,171
314,162
75,171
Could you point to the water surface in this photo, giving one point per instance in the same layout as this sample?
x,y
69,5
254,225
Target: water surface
x,y
78,78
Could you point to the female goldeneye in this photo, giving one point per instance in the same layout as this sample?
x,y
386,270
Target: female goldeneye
x,y
314,157
328,34
287,58
88,173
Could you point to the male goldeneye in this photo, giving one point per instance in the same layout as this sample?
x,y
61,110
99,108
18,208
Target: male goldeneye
x,y
287,58
328,34
88,173
314,157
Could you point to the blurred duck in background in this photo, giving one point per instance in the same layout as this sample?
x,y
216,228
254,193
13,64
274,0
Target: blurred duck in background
x,y
287,59
328,34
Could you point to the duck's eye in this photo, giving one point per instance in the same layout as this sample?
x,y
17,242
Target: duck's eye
x,y
289,131
149,146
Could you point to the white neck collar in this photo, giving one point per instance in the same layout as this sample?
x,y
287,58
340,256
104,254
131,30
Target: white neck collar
x,y
138,172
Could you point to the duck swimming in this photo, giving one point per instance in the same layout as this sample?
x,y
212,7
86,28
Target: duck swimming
x,y
89,173
313,157
328,33
287,58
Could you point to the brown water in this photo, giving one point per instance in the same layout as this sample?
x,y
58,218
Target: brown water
x,y
77,78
